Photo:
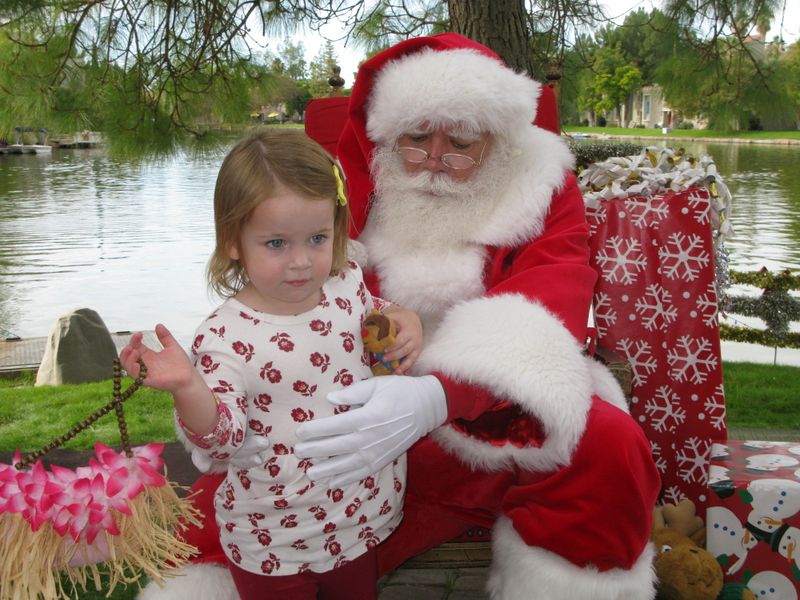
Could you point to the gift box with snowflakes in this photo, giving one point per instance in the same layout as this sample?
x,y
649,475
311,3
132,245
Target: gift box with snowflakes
x,y
753,518
655,226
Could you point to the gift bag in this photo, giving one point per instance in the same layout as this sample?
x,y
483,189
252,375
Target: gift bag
x,y
655,304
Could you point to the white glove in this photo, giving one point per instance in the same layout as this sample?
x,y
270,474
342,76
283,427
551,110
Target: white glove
x,y
254,452
396,411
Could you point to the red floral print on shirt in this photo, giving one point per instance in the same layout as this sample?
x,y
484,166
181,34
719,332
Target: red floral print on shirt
x,y
270,374
207,364
262,402
345,305
302,388
320,514
348,341
273,563
321,327
284,341
332,546
323,361
300,415
244,350
247,317
263,537
344,376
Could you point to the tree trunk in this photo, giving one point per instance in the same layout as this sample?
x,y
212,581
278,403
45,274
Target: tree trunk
x,y
498,24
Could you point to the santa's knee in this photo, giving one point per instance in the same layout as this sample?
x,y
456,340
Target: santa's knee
x,y
520,572
197,581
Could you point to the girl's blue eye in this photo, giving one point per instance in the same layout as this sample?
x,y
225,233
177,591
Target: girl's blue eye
x,y
275,244
318,238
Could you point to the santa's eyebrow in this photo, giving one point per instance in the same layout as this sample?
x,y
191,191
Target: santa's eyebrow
x,y
464,136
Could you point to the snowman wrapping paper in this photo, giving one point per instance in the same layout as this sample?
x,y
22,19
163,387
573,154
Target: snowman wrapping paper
x,y
657,222
753,518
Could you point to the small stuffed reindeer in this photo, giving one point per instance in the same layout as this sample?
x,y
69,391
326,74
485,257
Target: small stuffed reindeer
x,y
379,333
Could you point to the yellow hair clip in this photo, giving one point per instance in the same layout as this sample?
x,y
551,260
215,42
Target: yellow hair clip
x,y
340,197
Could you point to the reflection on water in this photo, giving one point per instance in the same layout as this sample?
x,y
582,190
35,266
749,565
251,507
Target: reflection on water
x,y
131,242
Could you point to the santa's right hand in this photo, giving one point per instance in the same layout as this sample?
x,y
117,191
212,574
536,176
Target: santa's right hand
x,y
254,452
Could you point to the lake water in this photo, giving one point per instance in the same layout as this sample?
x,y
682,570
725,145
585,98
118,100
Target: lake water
x,y
131,241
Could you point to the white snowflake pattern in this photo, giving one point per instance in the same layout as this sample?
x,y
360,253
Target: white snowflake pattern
x,y
621,260
604,314
715,408
692,359
683,257
647,212
658,458
693,460
655,309
638,354
665,410
673,495
701,205
708,306
595,215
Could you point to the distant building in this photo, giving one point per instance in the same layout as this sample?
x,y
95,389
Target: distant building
x,y
648,108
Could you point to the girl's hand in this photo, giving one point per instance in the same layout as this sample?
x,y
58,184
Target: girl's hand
x,y
169,370
409,338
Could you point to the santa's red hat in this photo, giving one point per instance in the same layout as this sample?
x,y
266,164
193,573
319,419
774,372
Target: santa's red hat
x,y
444,79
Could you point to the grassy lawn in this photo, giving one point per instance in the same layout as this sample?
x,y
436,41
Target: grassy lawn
x,y
761,396
31,417
758,396
687,133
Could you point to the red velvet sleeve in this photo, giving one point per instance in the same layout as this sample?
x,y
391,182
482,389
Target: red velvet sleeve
x,y
552,270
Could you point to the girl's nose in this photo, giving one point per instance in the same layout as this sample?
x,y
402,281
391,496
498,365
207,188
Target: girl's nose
x,y
300,258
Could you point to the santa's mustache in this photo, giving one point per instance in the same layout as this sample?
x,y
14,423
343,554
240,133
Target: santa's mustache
x,y
393,175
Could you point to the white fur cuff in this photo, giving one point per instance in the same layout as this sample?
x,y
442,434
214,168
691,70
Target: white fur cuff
x,y
522,353
520,572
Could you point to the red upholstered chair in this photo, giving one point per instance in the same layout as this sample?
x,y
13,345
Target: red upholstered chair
x,y
325,118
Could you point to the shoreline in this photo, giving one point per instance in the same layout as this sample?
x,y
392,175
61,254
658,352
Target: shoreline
x,y
672,138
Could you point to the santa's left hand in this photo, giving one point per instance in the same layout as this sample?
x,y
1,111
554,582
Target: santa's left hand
x,y
395,411
408,344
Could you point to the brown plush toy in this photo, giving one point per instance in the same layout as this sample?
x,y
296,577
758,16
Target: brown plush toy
x,y
685,570
683,518
379,333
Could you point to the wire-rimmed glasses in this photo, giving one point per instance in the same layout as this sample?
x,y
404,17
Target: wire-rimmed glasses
x,y
457,162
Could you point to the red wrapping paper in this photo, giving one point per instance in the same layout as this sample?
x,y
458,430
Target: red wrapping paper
x,y
753,519
656,305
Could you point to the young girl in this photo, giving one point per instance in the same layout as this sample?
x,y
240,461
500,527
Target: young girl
x,y
288,333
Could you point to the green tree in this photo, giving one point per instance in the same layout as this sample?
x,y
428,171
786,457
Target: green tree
x,y
321,70
161,63
292,60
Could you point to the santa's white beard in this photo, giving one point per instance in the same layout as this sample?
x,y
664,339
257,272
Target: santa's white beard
x,y
423,233
432,210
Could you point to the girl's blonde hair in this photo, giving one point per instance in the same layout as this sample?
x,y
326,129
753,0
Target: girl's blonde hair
x,y
250,174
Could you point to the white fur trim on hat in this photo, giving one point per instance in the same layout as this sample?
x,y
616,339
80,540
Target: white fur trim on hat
x,y
522,353
446,88
518,570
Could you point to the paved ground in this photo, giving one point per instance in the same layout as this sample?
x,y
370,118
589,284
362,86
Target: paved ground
x,y
434,584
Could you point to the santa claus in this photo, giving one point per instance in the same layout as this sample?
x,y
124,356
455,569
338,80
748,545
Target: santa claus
x,y
469,214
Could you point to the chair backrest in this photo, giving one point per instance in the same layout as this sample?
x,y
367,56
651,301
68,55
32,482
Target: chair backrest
x,y
325,117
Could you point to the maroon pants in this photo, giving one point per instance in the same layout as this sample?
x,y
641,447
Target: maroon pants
x,y
356,580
